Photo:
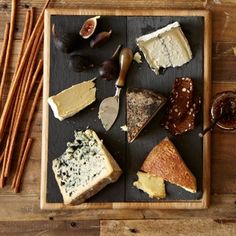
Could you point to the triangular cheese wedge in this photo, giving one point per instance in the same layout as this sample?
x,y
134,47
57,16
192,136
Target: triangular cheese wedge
x,y
142,106
165,162
150,184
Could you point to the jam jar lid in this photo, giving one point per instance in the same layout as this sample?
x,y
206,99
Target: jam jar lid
x,y
224,107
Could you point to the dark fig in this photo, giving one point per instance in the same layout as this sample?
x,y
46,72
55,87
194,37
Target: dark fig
x,y
66,42
100,39
89,27
109,69
79,63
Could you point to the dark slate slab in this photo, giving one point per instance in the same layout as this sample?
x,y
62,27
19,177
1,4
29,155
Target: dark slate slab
x,y
129,156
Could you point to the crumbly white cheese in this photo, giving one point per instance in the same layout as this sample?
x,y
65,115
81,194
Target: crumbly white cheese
x,y
82,166
165,47
72,100
124,128
137,57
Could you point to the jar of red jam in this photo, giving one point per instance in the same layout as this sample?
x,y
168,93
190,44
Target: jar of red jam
x,y
224,110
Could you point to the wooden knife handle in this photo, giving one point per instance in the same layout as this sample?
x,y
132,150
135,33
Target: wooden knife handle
x,y
126,57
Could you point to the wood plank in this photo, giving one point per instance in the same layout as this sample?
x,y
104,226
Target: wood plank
x,y
223,163
223,86
26,208
224,19
168,227
69,228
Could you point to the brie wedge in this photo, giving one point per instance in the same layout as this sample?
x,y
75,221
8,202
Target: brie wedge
x,y
72,100
165,47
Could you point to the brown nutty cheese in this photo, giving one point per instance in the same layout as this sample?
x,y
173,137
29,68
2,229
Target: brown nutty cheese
x,y
164,161
142,106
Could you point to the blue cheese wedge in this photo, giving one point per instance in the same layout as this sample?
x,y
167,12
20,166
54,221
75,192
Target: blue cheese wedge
x,y
166,47
72,100
84,168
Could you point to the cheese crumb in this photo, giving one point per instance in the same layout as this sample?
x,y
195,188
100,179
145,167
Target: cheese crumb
x,y
137,57
124,128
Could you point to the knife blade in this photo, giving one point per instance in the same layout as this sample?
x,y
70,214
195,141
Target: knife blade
x,y
109,107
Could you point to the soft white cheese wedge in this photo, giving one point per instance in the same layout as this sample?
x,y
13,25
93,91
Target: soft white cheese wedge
x,y
72,100
165,47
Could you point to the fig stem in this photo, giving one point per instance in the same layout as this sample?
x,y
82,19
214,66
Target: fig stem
x,y
117,52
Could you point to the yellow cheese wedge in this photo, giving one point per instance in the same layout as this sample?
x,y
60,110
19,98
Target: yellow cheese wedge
x,y
72,100
150,184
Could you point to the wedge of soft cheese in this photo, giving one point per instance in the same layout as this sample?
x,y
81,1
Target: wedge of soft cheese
x,y
150,184
84,168
165,47
72,100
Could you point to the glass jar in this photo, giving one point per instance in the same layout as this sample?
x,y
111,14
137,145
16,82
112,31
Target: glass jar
x,y
224,110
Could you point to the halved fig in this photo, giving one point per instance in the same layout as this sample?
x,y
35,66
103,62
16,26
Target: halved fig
x,y
89,27
100,39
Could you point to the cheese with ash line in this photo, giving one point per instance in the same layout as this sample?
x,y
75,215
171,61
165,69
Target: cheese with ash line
x,y
72,100
166,47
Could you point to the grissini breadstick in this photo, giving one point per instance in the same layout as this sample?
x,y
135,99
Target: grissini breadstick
x,y
19,118
27,130
31,62
2,178
14,86
31,22
23,97
23,43
1,157
17,100
24,38
9,47
22,166
4,45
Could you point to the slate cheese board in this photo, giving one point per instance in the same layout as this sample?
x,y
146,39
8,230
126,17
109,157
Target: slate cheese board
x,y
127,25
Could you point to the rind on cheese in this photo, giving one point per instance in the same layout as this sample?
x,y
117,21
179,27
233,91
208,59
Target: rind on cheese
x,y
152,185
165,47
165,162
142,106
84,168
72,100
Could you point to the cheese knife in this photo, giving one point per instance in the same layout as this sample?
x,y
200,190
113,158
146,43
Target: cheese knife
x,y
109,107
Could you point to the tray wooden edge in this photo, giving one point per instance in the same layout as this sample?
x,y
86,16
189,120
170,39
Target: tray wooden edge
x,y
198,204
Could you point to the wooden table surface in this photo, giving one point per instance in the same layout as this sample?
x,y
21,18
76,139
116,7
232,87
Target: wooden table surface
x,y
20,213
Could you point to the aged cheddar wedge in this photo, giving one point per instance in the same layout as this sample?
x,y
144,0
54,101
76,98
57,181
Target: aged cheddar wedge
x,y
142,106
165,162
150,184
84,168
72,100
165,47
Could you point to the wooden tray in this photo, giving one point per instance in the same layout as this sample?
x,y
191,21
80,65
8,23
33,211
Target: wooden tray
x,y
126,26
